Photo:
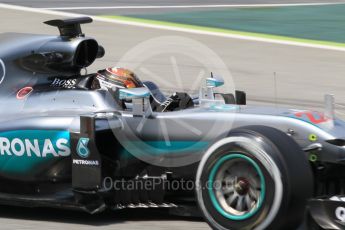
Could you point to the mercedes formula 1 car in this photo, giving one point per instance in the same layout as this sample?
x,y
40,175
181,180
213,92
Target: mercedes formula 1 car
x,y
65,143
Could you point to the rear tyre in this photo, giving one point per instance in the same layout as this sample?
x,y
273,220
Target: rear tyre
x,y
257,178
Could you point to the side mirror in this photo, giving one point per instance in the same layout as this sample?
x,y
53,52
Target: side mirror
x,y
241,98
214,81
140,100
134,93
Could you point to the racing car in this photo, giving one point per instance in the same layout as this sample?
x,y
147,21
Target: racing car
x,y
74,141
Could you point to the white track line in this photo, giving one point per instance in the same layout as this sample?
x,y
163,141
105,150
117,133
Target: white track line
x,y
186,6
173,28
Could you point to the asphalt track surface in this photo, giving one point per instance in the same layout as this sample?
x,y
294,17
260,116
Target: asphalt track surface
x,y
303,76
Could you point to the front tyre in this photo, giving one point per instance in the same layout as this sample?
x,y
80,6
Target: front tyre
x,y
257,178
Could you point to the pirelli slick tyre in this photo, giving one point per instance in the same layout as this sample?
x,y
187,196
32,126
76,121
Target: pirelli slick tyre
x,y
256,178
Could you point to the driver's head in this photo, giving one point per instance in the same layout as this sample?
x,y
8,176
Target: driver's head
x,y
118,77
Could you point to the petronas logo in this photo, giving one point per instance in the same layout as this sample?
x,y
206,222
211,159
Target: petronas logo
x,y
82,149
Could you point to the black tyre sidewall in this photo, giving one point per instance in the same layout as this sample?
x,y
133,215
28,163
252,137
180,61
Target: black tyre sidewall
x,y
295,173
225,222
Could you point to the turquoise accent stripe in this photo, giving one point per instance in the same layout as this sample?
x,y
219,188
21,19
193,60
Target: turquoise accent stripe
x,y
223,107
23,164
213,82
129,95
166,147
213,196
176,146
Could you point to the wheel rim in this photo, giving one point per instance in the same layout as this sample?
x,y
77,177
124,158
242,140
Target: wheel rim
x,y
237,186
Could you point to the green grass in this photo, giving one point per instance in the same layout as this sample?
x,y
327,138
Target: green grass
x,y
227,31
311,24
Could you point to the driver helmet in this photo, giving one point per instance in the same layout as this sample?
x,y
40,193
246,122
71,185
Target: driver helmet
x,y
118,77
